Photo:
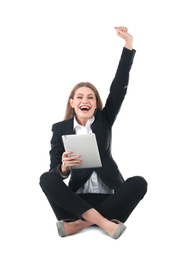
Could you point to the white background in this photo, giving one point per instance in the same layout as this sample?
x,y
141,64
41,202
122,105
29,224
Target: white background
x,y
47,47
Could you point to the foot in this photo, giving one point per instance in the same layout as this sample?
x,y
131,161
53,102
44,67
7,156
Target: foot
x,y
66,228
118,231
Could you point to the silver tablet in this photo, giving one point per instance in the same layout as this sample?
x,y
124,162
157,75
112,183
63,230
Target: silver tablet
x,y
86,146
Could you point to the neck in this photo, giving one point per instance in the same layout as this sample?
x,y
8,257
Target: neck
x,y
82,121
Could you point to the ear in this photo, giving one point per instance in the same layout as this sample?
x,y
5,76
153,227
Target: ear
x,y
71,102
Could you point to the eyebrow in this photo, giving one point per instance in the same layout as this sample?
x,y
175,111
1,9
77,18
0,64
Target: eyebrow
x,y
87,94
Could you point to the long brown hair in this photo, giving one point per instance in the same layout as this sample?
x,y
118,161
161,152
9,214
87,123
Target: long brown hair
x,y
69,110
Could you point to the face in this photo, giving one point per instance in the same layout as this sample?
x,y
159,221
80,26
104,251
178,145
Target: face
x,y
84,104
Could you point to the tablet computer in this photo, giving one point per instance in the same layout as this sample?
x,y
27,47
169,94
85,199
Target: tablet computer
x,y
86,146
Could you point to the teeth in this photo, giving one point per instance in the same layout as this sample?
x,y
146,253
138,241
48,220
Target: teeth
x,y
84,108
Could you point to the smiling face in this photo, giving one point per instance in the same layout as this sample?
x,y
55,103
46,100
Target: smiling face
x,y
84,104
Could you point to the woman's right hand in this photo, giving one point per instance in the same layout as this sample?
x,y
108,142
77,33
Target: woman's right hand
x,y
69,160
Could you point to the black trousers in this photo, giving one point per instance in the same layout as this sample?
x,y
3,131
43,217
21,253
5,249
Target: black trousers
x,y
66,204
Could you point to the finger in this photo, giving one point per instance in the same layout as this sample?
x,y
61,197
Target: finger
x,y
72,163
70,160
121,28
65,154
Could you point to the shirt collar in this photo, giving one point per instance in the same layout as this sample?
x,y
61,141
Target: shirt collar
x,y
89,122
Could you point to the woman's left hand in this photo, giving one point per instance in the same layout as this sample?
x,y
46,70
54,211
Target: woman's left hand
x,y
123,33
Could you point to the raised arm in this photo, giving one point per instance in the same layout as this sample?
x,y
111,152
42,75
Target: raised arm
x,y
118,88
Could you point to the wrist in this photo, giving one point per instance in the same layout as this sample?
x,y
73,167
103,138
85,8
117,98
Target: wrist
x,y
64,169
128,43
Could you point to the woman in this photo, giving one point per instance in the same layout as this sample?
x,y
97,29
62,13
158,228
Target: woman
x,y
97,196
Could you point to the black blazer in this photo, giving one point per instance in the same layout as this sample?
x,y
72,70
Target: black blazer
x,y
102,127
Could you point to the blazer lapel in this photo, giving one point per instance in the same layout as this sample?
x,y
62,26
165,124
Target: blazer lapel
x,y
69,127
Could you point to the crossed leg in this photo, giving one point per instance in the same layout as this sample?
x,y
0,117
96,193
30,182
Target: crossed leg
x,y
90,217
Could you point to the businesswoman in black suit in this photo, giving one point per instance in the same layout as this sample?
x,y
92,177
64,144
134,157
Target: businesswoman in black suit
x,y
99,196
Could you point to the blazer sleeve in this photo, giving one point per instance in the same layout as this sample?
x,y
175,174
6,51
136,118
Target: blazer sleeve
x,y
56,152
118,88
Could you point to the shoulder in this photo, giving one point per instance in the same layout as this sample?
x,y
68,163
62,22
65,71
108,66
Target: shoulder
x,y
62,124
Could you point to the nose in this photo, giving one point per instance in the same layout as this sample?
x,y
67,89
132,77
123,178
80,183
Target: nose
x,y
84,101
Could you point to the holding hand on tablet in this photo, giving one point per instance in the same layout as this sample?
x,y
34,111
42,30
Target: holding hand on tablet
x,y
69,160
97,194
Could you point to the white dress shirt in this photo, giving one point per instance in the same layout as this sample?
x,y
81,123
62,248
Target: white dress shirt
x,y
94,184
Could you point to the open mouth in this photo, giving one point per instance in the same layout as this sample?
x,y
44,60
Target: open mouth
x,y
84,108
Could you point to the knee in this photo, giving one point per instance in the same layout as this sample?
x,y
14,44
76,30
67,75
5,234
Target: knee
x,y
44,179
140,183
141,180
